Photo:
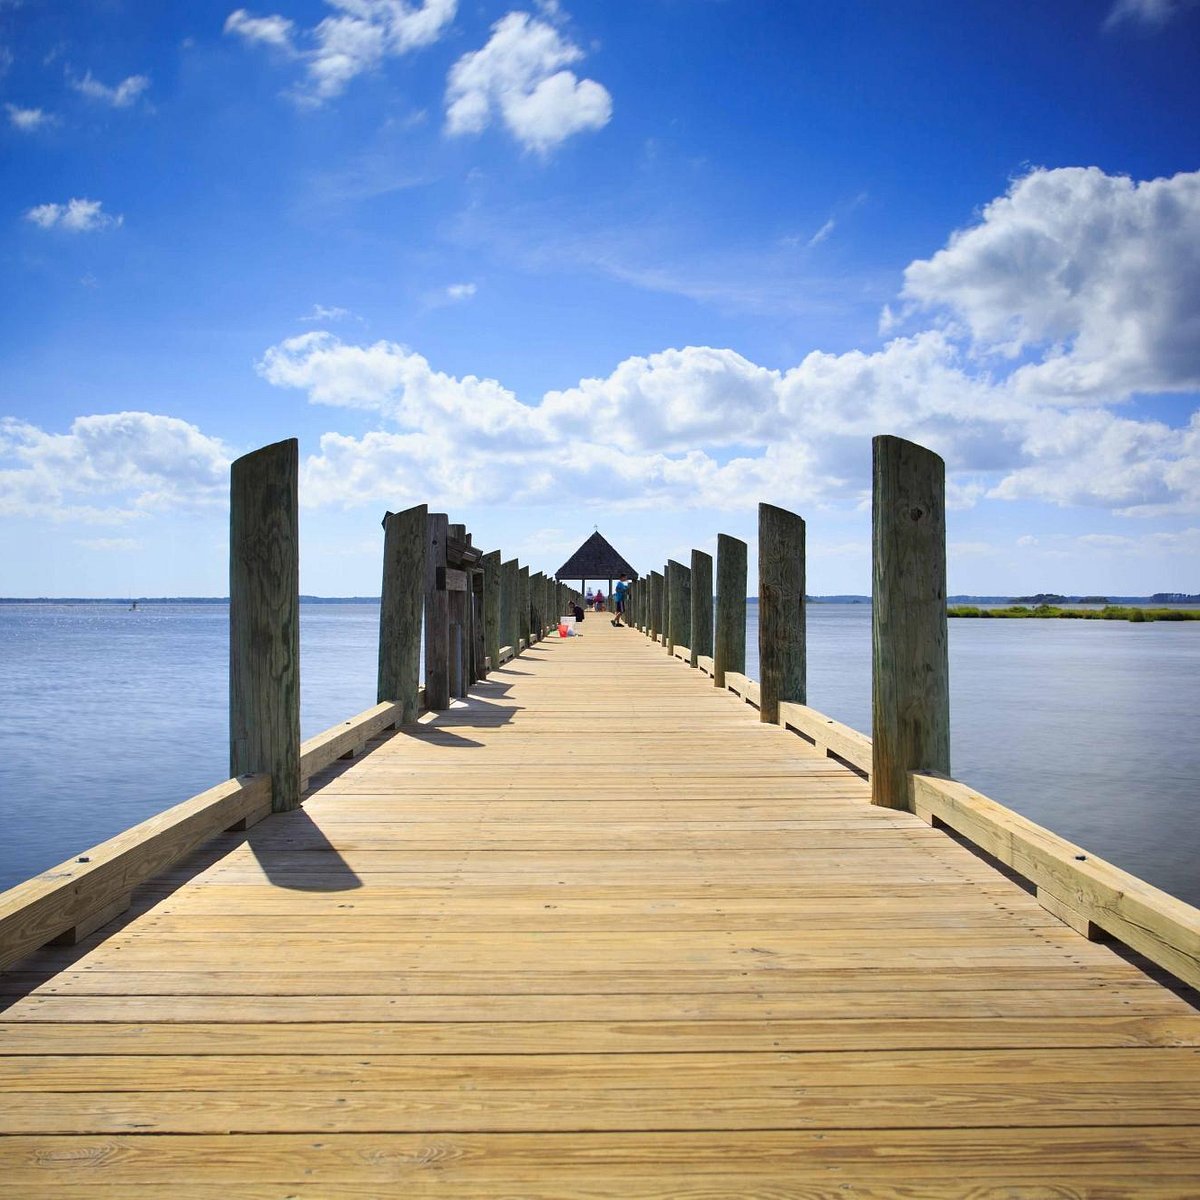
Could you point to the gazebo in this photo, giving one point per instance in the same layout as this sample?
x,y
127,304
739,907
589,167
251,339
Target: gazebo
x,y
597,560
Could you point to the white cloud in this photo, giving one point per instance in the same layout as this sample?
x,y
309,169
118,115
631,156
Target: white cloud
x,y
357,38
671,401
1094,457
520,75
76,216
1095,275
270,31
461,291
701,426
138,461
121,96
1152,14
400,385
29,119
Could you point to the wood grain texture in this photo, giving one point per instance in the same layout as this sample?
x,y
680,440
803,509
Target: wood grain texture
x,y
679,605
910,674
437,613
782,647
401,605
700,633
509,604
729,644
264,620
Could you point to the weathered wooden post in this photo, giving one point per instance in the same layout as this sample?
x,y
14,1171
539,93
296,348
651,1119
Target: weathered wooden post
x,y
666,606
910,692
679,616
510,578
478,635
537,604
437,614
458,616
654,616
264,620
781,632
491,607
729,652
523,622
701,643
402,598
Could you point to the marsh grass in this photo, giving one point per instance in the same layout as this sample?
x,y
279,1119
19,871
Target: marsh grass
x,y
1110,612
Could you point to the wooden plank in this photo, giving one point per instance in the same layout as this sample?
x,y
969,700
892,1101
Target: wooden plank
x,y
358,997
563,1035
555,1165
588,1108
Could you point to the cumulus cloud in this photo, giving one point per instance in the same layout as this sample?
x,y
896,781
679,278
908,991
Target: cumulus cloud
x,y
392,380
1027,292
671,401
703,427
356,38
136,462
520,74
461,291
1096,276
120,96
28,120
76,216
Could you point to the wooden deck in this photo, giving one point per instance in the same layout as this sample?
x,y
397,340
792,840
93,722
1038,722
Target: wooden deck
x,y
595,933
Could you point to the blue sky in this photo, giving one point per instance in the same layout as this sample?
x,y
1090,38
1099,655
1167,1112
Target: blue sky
x,y
565,265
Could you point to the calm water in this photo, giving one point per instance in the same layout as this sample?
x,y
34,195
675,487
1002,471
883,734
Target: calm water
x,y
1087,727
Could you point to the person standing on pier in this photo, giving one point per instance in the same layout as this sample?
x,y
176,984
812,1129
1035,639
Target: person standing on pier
x,y
619,594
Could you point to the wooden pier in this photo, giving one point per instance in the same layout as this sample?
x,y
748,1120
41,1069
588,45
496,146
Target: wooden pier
x,y
598,930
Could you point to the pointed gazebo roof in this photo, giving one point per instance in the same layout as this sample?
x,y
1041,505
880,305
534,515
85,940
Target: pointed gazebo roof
x,y
595,559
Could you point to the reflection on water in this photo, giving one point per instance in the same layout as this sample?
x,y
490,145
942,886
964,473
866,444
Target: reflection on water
x,y
1085,727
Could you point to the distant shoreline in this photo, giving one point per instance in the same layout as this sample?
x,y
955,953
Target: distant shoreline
x,y
1157,600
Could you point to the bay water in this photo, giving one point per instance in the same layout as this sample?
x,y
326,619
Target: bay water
x,y
109,715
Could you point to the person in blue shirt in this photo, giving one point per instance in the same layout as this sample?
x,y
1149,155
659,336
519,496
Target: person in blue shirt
x,y
619,594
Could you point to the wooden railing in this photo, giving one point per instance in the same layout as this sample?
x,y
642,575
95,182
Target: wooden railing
x,y
472,614
910,677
